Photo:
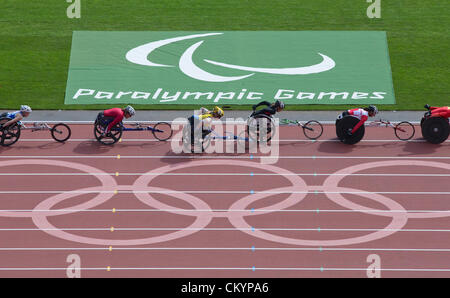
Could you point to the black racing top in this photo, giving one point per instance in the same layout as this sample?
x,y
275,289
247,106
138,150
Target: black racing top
x,y
268,110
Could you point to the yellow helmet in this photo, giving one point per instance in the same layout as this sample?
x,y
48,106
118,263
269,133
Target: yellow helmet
x,y
218,112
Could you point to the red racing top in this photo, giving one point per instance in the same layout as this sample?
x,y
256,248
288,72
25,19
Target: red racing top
x,y
116,113
440,112
361,114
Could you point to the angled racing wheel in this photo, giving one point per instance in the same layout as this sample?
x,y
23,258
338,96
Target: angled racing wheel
x,y
344,125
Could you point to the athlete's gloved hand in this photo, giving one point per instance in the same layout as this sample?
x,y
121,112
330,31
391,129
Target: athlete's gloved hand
x,y
104,133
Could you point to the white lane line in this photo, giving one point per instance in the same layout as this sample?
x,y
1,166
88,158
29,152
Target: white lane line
x,y
215,157
280,140
221,192
320,249
424,175
224,229
233,268
230,210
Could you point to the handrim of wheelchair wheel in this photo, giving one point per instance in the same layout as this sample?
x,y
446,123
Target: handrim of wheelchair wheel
x,y
10,135
111,138
197,146
256,131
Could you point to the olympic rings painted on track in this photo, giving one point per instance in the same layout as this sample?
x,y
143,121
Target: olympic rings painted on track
x,y
333,181
298,184
398,221
106,180
41,221
142,190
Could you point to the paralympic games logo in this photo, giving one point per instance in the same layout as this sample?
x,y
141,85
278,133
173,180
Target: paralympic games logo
x,y
139,55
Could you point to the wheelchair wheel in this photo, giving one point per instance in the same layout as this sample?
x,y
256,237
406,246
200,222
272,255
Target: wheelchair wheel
x,y
312,129
186,139
435,129
206,142
9,135
61,132
260,128
340,116
404,131
162,131
346,123
112,137
194,146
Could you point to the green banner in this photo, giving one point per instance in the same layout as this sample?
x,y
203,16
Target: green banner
x,y
230,67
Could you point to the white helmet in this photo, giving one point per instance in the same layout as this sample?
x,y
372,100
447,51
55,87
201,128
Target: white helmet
x,y
130,110
25,108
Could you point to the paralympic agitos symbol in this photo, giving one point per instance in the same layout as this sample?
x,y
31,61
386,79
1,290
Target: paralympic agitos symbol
x,y
139,56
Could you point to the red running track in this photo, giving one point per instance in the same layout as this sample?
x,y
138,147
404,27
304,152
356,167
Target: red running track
x,y
136,209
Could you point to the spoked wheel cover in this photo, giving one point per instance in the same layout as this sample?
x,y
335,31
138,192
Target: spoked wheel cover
x,y
436,129
342,127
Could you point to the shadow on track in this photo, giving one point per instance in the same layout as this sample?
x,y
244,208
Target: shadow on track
x,y
51,145
179,158
420,148
4,149
91,147
183,157
21,147
336,147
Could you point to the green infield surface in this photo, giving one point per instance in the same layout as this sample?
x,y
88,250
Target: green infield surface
x,y
36,42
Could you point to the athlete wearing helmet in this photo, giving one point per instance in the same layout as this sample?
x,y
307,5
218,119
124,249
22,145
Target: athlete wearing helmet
x,y
203,121
16,116
362,114
130,110
270,109
117,115
206,115
373,110
217,112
